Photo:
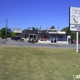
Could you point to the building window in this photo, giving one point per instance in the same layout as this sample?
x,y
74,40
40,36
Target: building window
x,y
43,38
62,38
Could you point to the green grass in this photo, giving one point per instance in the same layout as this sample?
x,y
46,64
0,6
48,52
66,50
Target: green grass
x,y
21,63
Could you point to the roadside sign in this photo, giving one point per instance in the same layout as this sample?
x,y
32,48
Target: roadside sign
x,y
74,19
74,22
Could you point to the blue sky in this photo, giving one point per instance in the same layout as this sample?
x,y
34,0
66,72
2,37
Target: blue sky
x,y
35,13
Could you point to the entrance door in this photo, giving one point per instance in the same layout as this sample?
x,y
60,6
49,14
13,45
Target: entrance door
x,y
53,39
31,37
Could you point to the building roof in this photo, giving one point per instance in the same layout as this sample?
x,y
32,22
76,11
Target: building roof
x,y
50,31
26,32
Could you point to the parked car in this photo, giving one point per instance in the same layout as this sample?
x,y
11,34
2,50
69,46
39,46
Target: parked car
x,y
17,39
78,41
12,38
73,41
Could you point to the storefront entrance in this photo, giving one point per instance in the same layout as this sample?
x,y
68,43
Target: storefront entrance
x,y
53,39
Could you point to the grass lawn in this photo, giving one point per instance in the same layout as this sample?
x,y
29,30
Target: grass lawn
x,y
25,63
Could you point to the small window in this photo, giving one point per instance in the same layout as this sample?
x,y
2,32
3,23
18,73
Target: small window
x,y
43,38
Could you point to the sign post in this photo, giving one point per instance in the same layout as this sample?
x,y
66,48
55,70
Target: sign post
x,y
75,22
77,42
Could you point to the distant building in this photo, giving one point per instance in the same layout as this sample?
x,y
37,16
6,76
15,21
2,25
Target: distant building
x,y
46,36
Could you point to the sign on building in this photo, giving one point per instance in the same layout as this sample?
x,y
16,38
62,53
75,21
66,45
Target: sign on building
x,y
74,19
17,30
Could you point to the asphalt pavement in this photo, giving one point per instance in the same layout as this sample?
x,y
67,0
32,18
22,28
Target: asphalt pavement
x,y
26,44
2,41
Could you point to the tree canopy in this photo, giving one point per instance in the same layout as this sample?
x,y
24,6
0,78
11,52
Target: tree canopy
x,y
67,30
3,32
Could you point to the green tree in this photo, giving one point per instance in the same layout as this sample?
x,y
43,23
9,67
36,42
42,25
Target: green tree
x,y
3,32
14,34
67,30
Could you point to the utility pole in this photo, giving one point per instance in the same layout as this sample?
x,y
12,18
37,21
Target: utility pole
x,y
6,29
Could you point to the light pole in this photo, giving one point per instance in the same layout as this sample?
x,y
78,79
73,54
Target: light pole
x,y
6,29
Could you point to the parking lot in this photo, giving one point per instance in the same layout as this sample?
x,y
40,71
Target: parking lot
x,y
26,44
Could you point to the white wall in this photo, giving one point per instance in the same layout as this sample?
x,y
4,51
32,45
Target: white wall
x,y
44,41
59,42
62,42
